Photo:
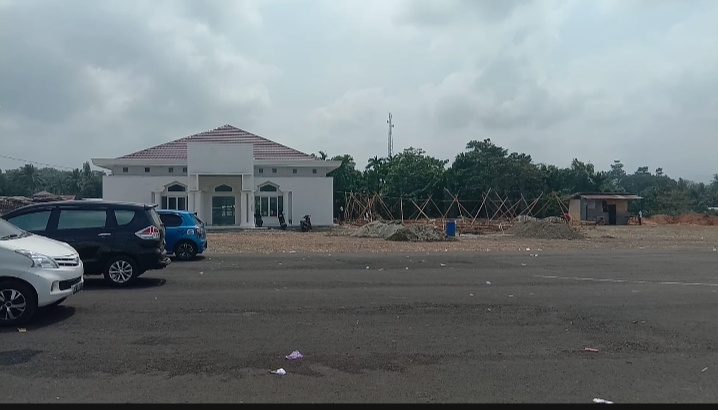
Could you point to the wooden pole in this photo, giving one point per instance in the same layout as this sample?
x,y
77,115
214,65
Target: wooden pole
x,y
481,206
421,210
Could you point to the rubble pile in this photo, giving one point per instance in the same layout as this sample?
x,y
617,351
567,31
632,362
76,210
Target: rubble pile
x,y
544,230
396,231
377,229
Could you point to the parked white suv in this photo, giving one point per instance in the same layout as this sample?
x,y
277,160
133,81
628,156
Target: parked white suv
x,y
35,271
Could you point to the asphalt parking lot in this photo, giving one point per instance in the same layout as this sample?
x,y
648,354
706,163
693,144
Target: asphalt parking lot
x,y
439,327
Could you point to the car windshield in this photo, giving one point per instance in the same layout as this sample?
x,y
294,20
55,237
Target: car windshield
x,y
9,231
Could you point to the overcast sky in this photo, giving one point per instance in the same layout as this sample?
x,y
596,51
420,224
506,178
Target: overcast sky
x,y
634,80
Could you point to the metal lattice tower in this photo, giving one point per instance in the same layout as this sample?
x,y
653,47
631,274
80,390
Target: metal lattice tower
x,y
390,144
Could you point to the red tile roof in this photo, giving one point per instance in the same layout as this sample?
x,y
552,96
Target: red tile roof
x,y
264,149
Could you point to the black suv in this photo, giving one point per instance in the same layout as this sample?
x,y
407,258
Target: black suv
x,y
121,240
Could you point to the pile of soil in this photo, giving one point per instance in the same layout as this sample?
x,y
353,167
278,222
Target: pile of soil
x,y
544,230
684,219
396,231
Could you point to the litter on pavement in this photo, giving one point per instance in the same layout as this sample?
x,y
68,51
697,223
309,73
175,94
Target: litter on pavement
x,y
279,371
590,349
295,355
597,400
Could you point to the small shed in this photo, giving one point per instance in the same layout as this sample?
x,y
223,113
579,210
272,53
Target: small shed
x,y
612,207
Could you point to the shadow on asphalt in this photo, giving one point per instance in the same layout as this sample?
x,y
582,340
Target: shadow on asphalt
x,y
92,283
47,316
198,258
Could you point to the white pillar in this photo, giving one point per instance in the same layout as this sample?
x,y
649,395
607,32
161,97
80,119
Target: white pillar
x,y
244,220
191,201
157,198
198,199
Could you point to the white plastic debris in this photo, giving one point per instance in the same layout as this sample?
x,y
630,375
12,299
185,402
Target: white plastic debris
x,y
528,249
407,268
511,296
295,355
488,283
523,264
292,251
471,294
279,371
442,264
597,400
367,267
201,272
704,369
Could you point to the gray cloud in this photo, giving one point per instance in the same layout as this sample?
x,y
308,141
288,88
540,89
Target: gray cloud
x,y
91,79
75,69
435,13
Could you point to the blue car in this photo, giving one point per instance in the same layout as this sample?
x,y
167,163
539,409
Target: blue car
x,y
185,233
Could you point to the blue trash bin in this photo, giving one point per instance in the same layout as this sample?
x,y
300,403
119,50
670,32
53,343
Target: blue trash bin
x,y
451,228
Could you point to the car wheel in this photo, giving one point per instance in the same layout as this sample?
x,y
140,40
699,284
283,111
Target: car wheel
x,y
185,250
121,271
18,303
57,303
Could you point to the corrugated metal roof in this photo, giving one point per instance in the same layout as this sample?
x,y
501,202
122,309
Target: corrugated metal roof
x,y
610,196
264,149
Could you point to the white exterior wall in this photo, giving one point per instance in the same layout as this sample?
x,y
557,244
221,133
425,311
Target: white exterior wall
x,y
136,188
309,195
220,158
313,196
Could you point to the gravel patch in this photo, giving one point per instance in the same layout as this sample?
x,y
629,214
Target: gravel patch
x,y
340,239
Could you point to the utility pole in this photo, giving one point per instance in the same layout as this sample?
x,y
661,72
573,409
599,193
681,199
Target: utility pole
x,y
390,144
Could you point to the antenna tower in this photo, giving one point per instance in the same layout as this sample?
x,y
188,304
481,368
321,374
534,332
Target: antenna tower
x,y
390,144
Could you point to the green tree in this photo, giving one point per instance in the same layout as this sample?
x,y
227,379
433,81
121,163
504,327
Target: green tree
x,y
31,180
413,174
375,174
346,179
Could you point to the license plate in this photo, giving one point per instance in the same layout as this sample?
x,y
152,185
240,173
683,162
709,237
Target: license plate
x,y
77,287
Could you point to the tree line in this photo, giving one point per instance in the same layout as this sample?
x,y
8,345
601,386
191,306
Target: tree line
x,y
414,175
485,166
28,180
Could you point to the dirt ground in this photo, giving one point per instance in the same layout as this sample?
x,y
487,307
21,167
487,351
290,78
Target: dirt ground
x,y
339,240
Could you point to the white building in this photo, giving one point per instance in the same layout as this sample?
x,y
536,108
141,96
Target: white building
x,y
225,175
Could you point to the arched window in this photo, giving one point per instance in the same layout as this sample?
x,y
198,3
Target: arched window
x,y
174,197
223,188
176,188
269,200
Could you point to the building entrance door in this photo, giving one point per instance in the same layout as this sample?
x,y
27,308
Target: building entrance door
x,y
223,210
